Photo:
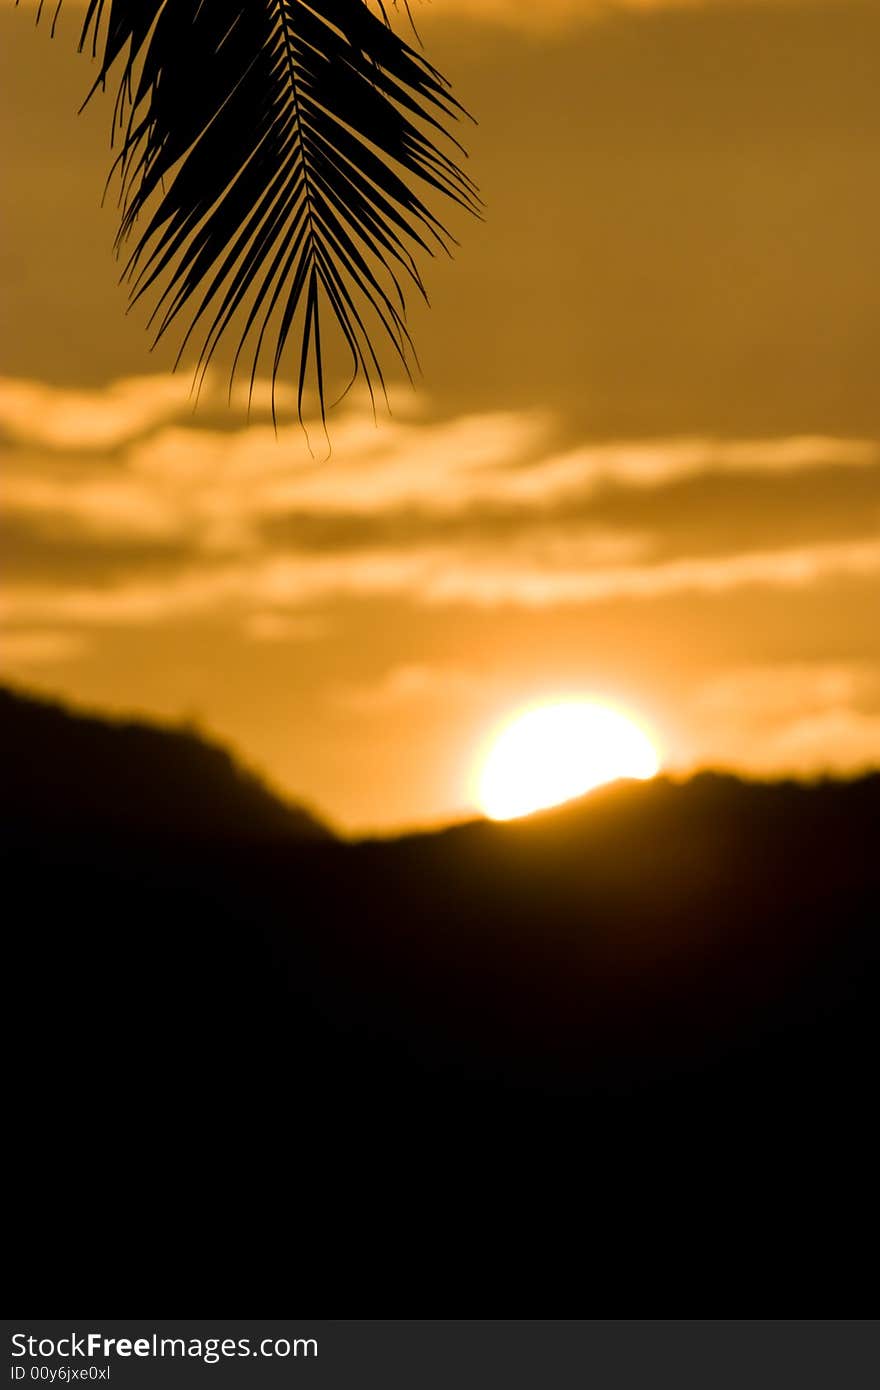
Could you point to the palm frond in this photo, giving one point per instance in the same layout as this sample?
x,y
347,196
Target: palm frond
x,y
269,156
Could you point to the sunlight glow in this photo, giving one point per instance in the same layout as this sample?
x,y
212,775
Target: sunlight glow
x,y
558,751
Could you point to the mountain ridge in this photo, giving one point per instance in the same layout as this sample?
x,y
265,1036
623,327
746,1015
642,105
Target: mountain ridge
x,y
167,760
128,774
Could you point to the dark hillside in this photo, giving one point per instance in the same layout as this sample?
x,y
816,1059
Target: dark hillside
x,y
64,772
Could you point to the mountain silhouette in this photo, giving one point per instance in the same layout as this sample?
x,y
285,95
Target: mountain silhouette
x,y
64,770
640,1024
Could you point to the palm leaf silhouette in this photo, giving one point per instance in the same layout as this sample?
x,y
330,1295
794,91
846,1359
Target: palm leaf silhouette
x,y
269,152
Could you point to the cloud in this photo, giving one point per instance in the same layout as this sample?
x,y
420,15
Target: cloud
x,y
221,487
479,509
285,628
415,686
791,717
86,420
525,13
484,578
526,580
556,14
841,741
36,413
103,506
770,693
477,501
256,473
22,650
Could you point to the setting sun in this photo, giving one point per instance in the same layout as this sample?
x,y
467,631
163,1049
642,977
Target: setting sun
x,y
558,751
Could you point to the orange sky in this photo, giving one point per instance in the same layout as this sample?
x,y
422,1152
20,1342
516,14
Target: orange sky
x,y
643,463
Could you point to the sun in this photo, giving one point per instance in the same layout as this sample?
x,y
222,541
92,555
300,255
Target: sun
x,y
558,751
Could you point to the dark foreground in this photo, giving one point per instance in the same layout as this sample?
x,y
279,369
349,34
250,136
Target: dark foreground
x,y
623,1050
